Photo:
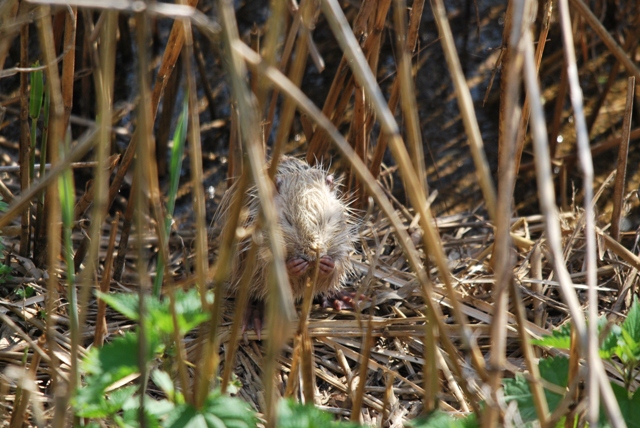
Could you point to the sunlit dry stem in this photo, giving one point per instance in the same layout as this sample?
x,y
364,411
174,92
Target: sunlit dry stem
x,y
280,304
362,72
373,189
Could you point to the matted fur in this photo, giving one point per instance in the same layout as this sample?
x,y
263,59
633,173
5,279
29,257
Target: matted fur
x,y
314,218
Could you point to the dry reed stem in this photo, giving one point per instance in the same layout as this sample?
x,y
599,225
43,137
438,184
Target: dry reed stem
x,y
171,54
195,157
597,383
358,396
274,28
629,44
623,155
52,210
144,190
546,192
284,60
358,64
105,283
502,259
280,304
408,94
467,111
524,119
606,38
68,63
25,141
620,250
307,13
242,301
104,79
535,384
373,189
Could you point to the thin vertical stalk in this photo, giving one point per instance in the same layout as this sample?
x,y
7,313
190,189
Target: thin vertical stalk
x,y
604,35
275,27
295,75
417,194
434,314
623,154
104,78
524,118
280,304
142,176
549,209
25,144
502,258
68,63
586,162
195,157
465,104
408,104
56,133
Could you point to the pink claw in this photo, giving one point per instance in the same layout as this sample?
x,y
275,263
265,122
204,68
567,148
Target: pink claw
x,y
326,265
297,266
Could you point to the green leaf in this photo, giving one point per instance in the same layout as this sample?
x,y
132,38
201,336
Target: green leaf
x,y
125,303
439,419
188,310
559,338
612,342
164,382
91,402
36,92
115,360
295,415
629,405
67,191
632,323
219,411
517,389
177,151
25,292
155,408
554,370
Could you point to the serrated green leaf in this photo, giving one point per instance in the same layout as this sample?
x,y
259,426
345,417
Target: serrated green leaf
x,y
131,419
296,415
629,405
219,411
610,345
115,360
91,402
189,310
632,323
554,370
517,389
164,382
559,338
125,303
628,349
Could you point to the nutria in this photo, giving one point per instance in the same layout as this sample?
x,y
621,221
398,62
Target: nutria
x,y
314,218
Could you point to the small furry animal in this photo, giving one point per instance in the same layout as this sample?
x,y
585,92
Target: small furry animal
x,y
315,220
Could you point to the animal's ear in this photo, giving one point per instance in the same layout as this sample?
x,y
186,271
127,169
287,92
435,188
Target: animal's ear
x,y
278,183
330,180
